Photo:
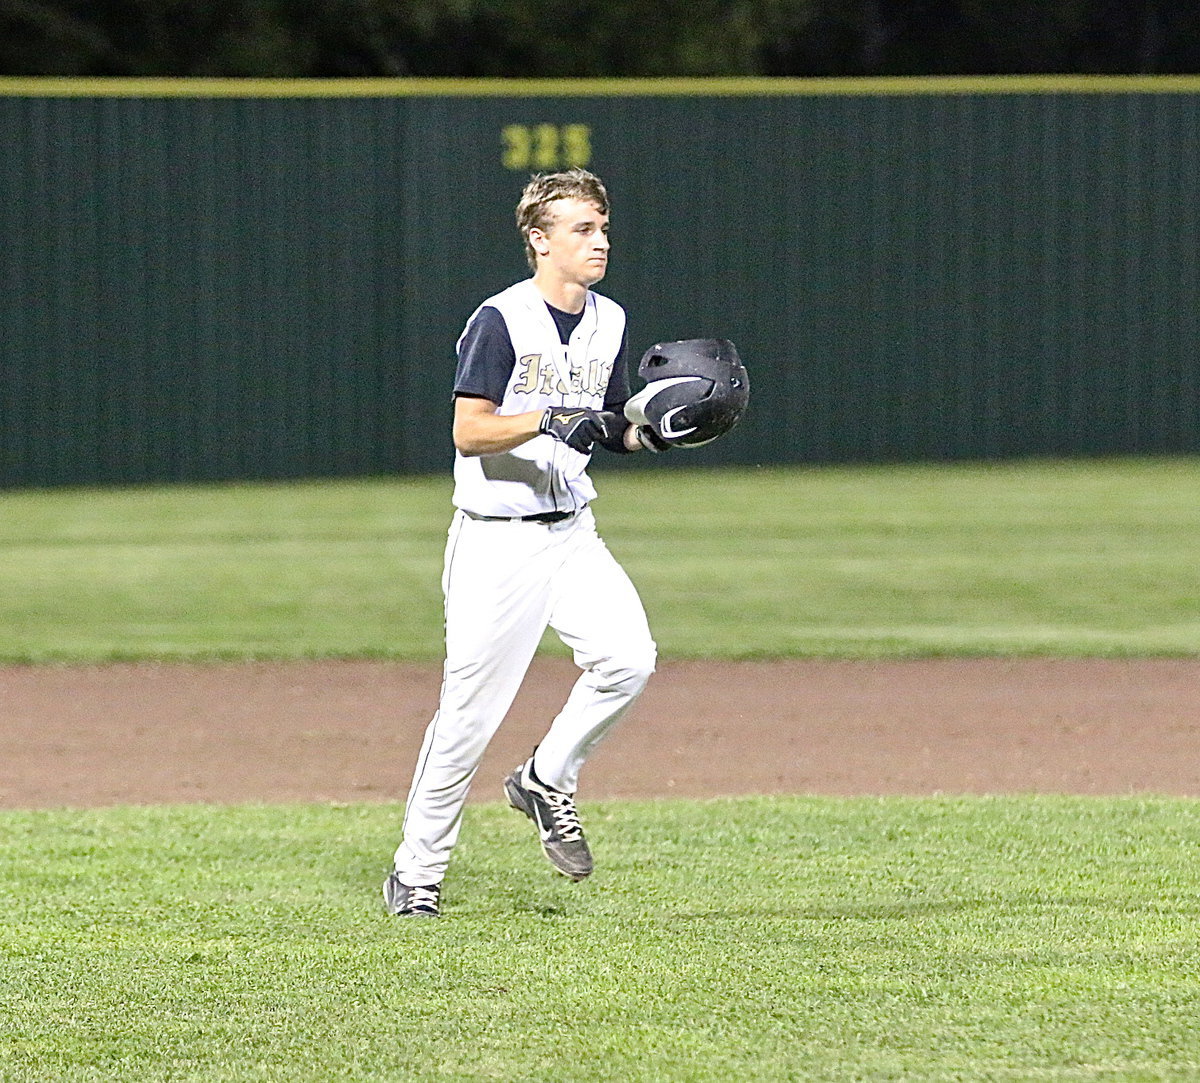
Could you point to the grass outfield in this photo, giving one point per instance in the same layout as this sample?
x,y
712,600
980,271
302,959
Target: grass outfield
x,y
1042,558
1045,938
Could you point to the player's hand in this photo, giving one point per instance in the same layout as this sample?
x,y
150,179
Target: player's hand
x,y
614,426
643,436
576,426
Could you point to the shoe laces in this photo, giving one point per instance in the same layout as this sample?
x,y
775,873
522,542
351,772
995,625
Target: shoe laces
x,y
422,898
565,816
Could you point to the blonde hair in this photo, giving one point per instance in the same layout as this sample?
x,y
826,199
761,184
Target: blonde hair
x,y
533,210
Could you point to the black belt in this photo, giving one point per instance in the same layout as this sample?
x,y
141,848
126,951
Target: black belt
x,y
540,517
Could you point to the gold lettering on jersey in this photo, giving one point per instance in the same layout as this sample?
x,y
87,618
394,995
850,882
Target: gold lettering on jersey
x,y
537,374
601,372
527,374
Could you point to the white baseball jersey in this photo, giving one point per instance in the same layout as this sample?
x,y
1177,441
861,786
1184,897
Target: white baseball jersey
x,y
543,474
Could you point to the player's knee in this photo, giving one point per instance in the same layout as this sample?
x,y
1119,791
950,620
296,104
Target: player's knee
x,y
631,668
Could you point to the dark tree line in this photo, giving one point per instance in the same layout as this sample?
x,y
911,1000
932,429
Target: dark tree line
x,y
596,37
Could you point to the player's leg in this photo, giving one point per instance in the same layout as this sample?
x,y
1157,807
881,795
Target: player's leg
x,y
497,606
596,611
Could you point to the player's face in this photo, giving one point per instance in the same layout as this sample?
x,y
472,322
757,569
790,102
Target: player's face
x,y
576,244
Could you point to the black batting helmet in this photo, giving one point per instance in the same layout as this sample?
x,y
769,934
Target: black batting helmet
x,y
697,390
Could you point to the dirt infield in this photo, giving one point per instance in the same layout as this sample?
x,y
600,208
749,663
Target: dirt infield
x,y
349,731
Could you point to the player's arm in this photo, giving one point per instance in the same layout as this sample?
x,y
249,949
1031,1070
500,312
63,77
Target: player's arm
x,y
485,364
479,430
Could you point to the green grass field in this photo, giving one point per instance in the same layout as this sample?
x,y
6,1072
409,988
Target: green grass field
x,y
782,939
942,939
1076,558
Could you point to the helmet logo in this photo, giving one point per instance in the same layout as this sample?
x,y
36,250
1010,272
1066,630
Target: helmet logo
x,y
642,409
667,430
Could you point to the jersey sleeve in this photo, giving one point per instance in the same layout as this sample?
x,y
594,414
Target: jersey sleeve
x,y
615,397
485,357
617,392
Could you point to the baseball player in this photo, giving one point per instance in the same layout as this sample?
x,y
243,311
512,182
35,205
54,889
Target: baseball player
x,y
541,379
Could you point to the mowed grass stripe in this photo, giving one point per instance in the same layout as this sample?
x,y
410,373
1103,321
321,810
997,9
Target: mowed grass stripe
x,y
1036,558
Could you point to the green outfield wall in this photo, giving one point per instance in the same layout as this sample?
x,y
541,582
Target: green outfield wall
x,y
256,279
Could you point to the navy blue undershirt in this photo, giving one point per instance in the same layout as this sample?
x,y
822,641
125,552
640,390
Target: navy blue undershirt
x,y
566,322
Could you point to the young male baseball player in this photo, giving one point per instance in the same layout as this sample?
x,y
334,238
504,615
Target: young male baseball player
x,y
541,378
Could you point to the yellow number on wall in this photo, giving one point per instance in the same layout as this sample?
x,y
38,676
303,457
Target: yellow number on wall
x,y
517,145
576,144
545,146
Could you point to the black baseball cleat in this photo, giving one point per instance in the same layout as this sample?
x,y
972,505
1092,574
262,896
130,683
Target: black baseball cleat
x,y
410,902
557,821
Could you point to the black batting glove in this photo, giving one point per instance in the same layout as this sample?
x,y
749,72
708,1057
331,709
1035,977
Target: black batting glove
x,y
614,425
615,428
576,426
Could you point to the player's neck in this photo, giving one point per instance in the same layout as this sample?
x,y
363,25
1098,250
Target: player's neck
x,y
565,296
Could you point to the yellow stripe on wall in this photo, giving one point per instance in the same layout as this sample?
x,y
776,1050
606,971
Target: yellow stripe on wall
x,y
79,87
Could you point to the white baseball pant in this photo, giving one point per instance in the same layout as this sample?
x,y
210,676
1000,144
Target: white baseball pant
x,y
504,583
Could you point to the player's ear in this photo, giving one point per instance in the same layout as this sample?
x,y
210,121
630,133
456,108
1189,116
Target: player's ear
x,y
539,242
